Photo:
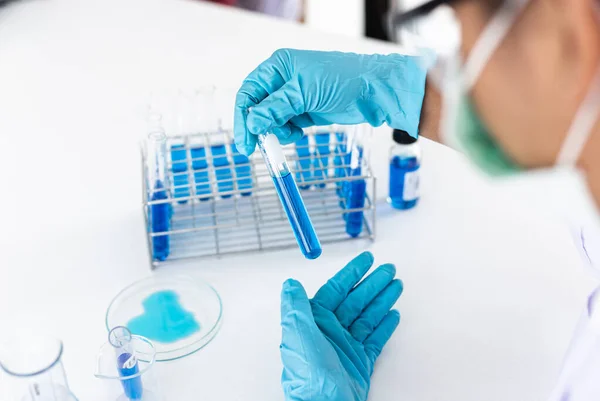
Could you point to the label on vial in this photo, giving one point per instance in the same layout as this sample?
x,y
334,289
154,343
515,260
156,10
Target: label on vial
x,y
411,186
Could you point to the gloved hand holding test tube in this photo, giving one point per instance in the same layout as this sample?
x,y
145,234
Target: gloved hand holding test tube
x,y
289,195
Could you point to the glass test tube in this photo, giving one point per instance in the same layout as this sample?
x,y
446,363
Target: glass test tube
x,y
243,171
303,170
289,195
158,186
222,169
355,189
321,159
200,167
181,184
127,366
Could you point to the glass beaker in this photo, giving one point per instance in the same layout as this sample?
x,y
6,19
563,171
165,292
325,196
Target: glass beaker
x,y
125,363
34,368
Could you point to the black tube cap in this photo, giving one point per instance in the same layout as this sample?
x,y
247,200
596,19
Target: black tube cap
x,y
403,137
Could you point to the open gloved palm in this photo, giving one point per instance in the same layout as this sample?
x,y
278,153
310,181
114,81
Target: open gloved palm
x,y
331,342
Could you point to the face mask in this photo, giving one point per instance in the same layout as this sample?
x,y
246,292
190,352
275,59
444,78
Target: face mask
x,y
463,129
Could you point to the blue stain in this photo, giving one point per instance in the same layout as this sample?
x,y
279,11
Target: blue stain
x,y
321,160
303,173
160,222
164,319
180,178
298,216
128,366
399,167
222,169
201,179
243,171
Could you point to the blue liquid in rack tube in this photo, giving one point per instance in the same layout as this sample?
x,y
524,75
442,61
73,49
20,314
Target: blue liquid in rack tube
x,y
160,222
201,179
128,366
164,319
400,169
303,171
222,169
243,171
181,183
356,192
321,159
296,212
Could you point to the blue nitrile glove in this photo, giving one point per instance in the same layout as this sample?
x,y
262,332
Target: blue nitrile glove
x,y
295,89
330,343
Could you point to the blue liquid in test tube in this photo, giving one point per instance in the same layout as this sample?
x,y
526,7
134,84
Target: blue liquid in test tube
x,y
127,364
160,212
289,195
222,169
201,179
243,171
303,173
321,160
356,192
180,176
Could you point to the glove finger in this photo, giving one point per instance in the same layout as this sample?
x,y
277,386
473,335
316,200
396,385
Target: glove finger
x,y
380,336
361,296
376,311
299,334
303,120
288,133
331,295
268,77
276,109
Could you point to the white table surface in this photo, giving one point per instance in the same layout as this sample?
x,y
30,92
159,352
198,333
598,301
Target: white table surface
x,y
492,292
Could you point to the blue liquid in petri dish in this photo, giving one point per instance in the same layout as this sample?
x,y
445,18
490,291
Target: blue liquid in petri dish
x,y
127,367
164,319
398,168
181,183
303,171
201,179
243,171
222,169
298,216
356,192
159,222
321,159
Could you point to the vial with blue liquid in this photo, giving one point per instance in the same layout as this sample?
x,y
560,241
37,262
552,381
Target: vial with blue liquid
x,y
181,185
289,195
304,163
222,168
159,212
201,177
243,172
321,158
405,161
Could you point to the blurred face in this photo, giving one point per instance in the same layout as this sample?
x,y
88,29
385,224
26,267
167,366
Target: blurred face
x,y
531,88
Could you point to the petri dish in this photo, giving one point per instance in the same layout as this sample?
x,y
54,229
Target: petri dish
x,y
178,314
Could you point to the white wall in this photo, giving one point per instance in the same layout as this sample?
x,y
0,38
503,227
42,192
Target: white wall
x,y
344,17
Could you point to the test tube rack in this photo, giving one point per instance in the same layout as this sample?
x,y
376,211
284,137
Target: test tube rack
x,y
228,218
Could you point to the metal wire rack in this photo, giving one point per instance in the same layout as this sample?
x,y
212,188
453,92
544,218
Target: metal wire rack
x,y
224,203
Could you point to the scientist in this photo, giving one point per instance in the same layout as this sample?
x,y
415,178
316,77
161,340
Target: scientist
x,y
521,91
